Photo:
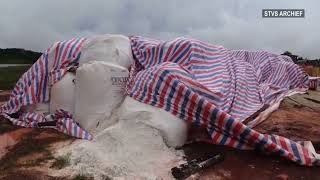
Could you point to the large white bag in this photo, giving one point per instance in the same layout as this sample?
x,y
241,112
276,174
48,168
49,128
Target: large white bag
x,y
110,48
99,90
172,129
62,94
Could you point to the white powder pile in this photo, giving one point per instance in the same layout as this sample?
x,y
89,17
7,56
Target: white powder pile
x,y
126,150
129,141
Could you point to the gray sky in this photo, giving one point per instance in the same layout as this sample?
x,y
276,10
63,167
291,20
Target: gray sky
x,y
36,24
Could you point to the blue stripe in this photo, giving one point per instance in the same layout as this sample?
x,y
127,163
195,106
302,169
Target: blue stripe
x,y
159,81
146,84
144,58
72,48
200,46
261,144
86,135
211,131
75,129
183,53
171,94
213,116
184,104
177,45
229,124
224,139
12,106
226,132
161,51
46,77
243,136
295,151
152,59
273,139
206,67
198,112
150,76
209,96
76,60
202,57
209,75
61,50
28,85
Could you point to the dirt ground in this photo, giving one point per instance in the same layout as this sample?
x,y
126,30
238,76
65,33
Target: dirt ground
x,y
27,153
298,118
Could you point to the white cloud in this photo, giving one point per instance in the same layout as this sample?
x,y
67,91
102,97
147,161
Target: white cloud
x,y
35,24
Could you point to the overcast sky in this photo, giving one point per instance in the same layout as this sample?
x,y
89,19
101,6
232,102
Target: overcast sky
x,y
36,24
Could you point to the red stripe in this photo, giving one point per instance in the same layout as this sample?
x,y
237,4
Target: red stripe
x,y
81,133
237,129
56,54
254,137
25,86
33,96
283,143
79,46
67,49
206,111
306,155
221,119
143,81
271,147
178,51
168,53
192,104
163,92
148,55
216,137
232,142
151,87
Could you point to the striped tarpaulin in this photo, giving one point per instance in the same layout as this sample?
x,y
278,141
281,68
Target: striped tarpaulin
x,y
217,88
34,87
314,83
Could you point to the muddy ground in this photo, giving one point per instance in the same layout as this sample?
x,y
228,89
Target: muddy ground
x,y
28,153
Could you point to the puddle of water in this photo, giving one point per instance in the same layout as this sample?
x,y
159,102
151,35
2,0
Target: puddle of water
x,y
9,139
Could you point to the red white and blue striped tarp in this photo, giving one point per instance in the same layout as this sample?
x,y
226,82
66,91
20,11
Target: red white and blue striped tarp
x,y
200,83
314,83
216,88
34,87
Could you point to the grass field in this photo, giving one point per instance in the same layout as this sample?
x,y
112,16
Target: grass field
x,y
10,75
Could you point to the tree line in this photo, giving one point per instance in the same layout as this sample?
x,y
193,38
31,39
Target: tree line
x,y
22,56
18,56
300,60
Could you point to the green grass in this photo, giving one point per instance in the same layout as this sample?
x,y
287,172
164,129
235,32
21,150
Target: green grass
x,y
10,75
27,145
82,177
36,162
61,162
18,56
5,126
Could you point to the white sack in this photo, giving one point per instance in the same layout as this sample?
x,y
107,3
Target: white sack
x,y
99,90
172,129
115,49
62,94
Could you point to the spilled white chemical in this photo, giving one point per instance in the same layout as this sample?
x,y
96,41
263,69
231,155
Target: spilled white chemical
x,y
127,150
